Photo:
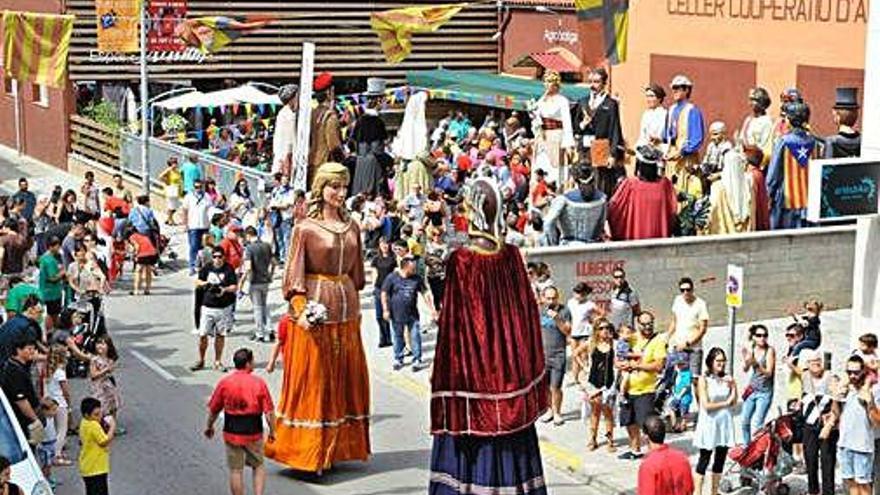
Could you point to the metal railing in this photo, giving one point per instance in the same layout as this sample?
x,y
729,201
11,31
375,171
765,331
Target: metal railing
x,y
224,173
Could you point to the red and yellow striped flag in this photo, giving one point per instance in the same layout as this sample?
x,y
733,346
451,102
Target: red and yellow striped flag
x,y
396,27
35,47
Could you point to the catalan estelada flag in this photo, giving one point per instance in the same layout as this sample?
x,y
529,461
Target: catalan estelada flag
x,y
604,28
210,34
396,27
35,47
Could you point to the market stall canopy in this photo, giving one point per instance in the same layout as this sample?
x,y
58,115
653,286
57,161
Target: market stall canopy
x,y
485,88
556,58
242,94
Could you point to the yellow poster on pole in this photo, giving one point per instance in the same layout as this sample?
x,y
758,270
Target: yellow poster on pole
x,y
118,23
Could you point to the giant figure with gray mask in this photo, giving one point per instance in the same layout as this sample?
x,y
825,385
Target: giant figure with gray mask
x,y
578,216
285,130
488,385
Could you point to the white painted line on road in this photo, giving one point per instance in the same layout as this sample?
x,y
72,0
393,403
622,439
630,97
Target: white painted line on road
x,y
153,365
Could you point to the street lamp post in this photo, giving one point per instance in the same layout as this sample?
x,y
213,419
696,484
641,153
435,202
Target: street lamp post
x,y
145,107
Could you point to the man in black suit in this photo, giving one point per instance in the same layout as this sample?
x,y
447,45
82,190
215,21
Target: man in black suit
x,y
597,122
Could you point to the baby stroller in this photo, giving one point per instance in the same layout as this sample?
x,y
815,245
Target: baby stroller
x,y
83,323
761,465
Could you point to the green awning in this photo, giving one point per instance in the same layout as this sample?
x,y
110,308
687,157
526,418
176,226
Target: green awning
x,y
485,88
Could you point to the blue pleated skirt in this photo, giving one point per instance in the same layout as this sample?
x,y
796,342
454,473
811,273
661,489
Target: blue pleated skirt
x,y
502,465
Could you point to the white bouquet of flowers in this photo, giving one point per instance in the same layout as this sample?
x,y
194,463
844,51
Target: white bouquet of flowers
x,y
315,312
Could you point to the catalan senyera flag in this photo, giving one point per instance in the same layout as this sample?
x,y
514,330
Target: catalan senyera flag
x,y
396,27
604,28
210,34
35,47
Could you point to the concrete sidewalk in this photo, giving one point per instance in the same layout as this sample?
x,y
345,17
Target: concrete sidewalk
x,y
41,177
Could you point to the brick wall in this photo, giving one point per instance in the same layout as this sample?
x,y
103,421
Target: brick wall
x,y
781,269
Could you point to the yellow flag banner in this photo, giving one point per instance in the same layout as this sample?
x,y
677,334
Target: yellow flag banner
x,y
118,24
396,27
35,47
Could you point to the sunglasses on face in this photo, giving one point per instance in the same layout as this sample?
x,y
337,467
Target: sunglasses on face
x,y
853,372
685,289
790,336
618,277
217,256
761,335
720,360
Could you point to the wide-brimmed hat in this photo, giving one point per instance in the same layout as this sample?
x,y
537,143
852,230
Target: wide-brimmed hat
x,y
846,99
376,86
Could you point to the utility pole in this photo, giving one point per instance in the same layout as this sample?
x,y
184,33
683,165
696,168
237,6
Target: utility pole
x,y
145,105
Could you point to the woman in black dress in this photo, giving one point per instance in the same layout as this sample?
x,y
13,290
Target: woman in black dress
x,y
384,263
600,383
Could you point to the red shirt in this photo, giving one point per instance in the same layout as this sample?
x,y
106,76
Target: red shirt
x,y
144,245
665,471
233,251
539,191
243,398
112,203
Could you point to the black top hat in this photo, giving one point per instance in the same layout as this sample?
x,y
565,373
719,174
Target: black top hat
x,y
847,98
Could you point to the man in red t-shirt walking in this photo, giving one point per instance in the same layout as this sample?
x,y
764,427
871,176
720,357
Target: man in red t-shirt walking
x,y
244,399
664,471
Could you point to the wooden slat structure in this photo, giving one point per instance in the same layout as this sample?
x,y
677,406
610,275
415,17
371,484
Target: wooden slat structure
x,y
94,141
341,30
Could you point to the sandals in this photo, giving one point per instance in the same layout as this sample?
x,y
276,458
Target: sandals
x,y
198,366
220,367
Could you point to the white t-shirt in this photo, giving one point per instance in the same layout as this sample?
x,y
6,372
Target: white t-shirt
x,y
198,211
53,387
581,314
687,320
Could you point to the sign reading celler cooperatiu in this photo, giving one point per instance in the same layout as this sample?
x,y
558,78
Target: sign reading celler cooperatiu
x,y
839,11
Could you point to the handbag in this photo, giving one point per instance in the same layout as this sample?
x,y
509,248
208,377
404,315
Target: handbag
x,y
749,390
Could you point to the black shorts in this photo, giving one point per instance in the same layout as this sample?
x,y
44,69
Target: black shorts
x,y
53,308
636,409
148,260
555,363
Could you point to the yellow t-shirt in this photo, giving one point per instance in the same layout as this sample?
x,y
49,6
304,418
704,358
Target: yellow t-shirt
x,y
93,459
415,247
652,351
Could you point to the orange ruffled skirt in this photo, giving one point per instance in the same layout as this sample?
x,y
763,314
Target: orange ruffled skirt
x,y
323,413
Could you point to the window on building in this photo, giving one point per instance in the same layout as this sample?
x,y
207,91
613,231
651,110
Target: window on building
x,y
9,86
40,94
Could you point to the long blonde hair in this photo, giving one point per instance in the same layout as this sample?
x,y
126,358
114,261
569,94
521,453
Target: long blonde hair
x,y
326,174
57,357
598,322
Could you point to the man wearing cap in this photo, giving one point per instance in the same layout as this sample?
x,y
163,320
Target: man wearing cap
x,y
757,128
285,130
847,143
787,174
578,216
325,137
598,124
684,133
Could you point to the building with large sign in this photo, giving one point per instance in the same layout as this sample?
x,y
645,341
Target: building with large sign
x,y
724,46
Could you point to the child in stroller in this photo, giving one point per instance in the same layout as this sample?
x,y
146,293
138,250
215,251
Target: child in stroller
x,y
761,465
681,397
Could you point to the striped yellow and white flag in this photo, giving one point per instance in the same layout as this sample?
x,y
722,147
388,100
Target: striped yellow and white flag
x,y
35,47
396,27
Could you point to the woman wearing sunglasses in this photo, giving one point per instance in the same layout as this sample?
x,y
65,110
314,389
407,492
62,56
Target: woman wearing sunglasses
x,y
759,358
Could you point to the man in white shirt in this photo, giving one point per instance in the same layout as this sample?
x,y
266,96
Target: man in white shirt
x,y
285,130
690,320
196,210
281,214
582,311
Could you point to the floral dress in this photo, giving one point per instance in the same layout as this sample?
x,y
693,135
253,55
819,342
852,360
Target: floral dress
x,y
105,388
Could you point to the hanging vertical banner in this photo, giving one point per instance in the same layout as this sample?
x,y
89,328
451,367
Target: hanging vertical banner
x,y
118,22
164,17
301,148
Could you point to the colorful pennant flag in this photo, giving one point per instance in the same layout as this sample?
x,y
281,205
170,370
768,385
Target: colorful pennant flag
x,y
181,137
210,34
396,27
235,108
35,47
604,29
248,109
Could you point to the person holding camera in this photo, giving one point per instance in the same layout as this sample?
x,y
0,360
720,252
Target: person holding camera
x,y
219,283
860,415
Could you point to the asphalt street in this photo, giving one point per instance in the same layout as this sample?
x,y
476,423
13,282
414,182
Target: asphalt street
x,y
164,409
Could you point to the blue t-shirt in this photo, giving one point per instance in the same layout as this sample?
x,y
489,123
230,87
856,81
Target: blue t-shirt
x,y
191,173
403,296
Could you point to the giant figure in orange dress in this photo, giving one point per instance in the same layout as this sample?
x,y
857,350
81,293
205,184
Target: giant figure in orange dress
x,y
323,412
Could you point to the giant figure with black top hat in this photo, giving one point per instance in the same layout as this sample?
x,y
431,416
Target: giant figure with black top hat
x,y
847,142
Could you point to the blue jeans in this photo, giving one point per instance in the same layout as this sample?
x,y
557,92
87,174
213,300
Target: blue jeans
x,y
282,238
415,339
804,344
754,411
194,236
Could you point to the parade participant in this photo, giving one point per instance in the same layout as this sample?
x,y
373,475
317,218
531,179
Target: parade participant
x,y
644,206
719,145
578,216
488,384
759,216
284,138
730,200
414,173
757,128
653,124
597,123
684,133
787,173
848,141
789,95
325,397
554,136
325,137
370,135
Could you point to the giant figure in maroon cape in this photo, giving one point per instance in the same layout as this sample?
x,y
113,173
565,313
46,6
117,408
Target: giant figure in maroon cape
x,y
488,385
644,206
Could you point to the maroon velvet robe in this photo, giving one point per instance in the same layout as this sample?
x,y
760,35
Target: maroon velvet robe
x,y
761,199
488,377
642,210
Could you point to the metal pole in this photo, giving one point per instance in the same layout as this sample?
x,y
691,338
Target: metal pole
x,y
145,106
731,322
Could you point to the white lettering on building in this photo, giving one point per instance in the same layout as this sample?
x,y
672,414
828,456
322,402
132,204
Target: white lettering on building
x,y
188,55
561,36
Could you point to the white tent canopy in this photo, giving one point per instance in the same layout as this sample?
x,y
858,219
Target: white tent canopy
x,y
245,93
